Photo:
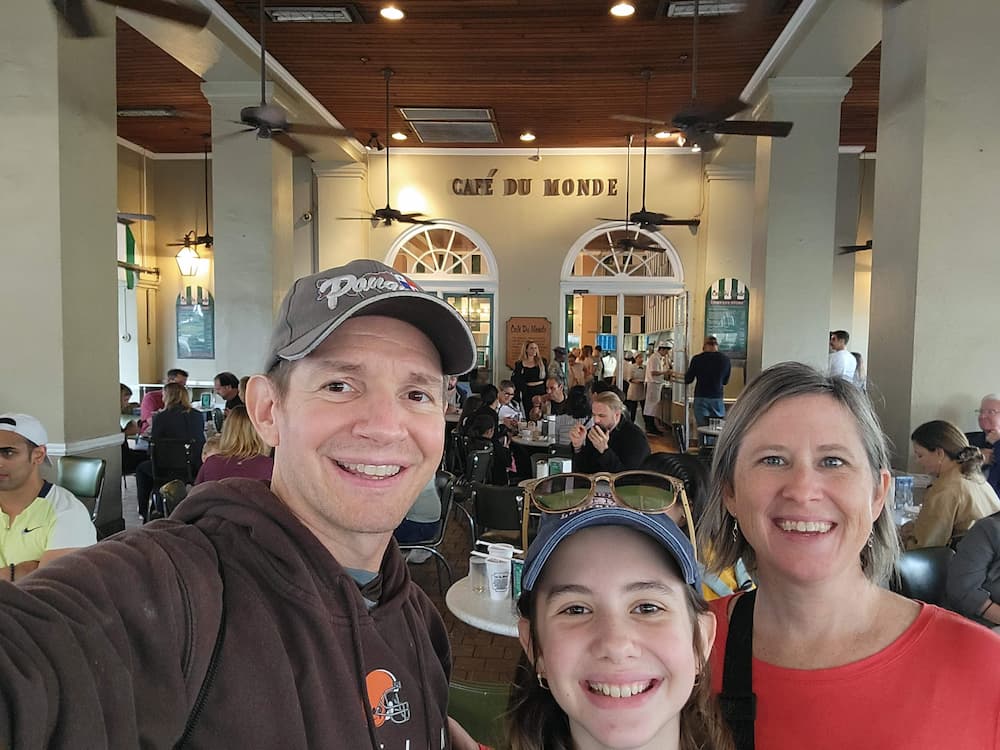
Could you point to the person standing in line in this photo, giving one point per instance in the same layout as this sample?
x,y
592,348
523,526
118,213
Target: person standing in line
x,y
635,392
557,367
711,370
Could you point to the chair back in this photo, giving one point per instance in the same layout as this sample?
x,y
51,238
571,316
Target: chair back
x,y
680,435
444,483
84,477
479,466
456,447
923,574
480,707
497,508
171,459
218,417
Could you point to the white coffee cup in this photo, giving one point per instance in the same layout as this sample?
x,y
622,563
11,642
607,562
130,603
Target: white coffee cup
x,y
498,577
501,550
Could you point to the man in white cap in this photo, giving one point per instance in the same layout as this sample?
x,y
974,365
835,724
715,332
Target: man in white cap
x,y
38,521
267,617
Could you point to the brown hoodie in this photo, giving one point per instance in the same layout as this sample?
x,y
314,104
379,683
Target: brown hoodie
x,y
109,647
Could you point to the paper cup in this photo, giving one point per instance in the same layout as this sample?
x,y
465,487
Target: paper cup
x,y
498,577
499,549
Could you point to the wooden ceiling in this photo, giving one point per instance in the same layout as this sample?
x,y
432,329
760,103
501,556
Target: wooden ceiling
x,y
556,67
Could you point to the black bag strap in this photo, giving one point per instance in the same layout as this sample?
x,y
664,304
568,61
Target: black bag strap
x,y
738,702
213,664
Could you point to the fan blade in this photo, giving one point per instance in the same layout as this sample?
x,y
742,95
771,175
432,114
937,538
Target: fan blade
x,y
633,118
680,223
751,127
300,128
290,143
697,113
185,14
76,17
128,218
847,249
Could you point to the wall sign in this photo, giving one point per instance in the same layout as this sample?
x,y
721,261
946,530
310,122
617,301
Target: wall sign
x,y
491,184
195,324
520,330
727,316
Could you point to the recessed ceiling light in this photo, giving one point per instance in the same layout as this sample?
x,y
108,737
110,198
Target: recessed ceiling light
x,y
663,134
325,14
527,136
622,9
681,140
695,148
391,13
399,136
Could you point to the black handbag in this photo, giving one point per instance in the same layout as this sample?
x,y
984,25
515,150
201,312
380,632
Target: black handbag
x,y
737,699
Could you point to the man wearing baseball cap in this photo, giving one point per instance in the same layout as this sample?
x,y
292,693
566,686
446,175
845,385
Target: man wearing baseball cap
x,y
38,521
258,616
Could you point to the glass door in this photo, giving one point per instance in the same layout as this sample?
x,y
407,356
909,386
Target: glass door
x,y
477,309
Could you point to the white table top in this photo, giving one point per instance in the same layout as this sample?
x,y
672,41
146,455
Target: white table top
x,y
713,431
452,417
531,442
479,611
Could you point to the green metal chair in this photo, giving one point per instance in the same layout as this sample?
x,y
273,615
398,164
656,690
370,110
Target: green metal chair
x,y
480,707
84,477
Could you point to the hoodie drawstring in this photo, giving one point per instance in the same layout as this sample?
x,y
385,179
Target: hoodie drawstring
x,y
359,658
428,716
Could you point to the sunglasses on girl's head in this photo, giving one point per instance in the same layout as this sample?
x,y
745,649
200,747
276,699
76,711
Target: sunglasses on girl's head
x,y
643,491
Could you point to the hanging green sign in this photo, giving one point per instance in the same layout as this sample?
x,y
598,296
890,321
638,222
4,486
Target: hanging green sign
x,y
727,316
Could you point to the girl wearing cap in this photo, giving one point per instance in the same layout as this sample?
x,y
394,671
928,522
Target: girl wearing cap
x,y
616,638
829,657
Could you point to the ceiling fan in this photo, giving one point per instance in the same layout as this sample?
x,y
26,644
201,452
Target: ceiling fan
x,y
848,249
644,218
269,120
387,215
77,18
637,243
699,124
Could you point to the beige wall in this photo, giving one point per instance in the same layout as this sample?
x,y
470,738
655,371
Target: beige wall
x,y
531,235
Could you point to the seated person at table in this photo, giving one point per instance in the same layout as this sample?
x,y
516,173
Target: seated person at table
x,y
616,638
537,410
130,456
227,386
974,573
555,394
959,496
152,402
472,405
481,432
453,397
38,521
177,421
612,443
241,452
508,408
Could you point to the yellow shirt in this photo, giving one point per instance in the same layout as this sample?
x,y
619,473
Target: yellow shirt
x,y
54,520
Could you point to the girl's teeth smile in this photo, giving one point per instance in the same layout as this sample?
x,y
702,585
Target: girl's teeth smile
x,y
619,691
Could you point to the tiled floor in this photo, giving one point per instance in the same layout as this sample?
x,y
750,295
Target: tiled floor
x,y
478,656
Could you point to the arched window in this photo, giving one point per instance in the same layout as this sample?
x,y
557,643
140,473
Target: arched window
x,y
456,263
630,255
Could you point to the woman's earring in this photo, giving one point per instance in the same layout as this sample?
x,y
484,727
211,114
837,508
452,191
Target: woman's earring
x,y
697,679
736,530
542,682
871,539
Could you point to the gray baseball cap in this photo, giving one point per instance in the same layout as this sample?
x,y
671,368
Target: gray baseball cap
x,y
317,305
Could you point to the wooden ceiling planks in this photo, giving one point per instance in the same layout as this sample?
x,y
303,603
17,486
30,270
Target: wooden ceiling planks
x,y
559,68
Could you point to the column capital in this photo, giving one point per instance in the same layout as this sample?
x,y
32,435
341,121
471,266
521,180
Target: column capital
x,y
340,170
715,172
809,88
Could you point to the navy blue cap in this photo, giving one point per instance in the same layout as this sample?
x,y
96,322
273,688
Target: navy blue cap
x,y
555,529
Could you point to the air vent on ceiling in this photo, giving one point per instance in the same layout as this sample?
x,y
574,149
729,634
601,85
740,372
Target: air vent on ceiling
x,y
450,114
313,14
685,8
456,132
147,112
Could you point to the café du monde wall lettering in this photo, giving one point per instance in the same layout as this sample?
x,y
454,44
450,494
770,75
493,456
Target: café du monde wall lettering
x,y
492,184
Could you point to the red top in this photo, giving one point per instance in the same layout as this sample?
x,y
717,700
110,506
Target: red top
x,y
223,467
936,686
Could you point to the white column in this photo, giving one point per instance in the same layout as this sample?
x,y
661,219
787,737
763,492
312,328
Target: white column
x,y
845,233
58,179
340,196
253,225
795,187
933,345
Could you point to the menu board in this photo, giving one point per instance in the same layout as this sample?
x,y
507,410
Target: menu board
x,y
727,316
520,330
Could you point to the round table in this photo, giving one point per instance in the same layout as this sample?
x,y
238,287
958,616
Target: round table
x,y
478,610
710,431
531,442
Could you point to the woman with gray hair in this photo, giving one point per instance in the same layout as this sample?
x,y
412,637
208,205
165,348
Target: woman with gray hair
x,y
821,655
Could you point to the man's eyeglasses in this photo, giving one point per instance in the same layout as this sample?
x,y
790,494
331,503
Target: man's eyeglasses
x,y
506,393
642,491
988,412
